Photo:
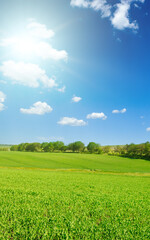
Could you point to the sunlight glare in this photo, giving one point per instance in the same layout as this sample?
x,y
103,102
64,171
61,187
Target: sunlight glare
x,y
24,45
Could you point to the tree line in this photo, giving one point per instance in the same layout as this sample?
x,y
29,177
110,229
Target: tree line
x,y
133,150
129,150
57,146
4,147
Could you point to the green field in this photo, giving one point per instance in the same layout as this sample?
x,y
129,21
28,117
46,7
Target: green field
x,y
73,161
73,196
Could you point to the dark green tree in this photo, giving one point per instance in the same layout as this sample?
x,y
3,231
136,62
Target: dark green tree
x,y
78,146
93,147
58,145
14,148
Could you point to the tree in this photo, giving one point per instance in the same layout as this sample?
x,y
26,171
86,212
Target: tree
x,y
14,148
44,145
93,147
70,147
147,150
100,150
33,147
118,149
49,147
106,149
78,146
22,147
58,145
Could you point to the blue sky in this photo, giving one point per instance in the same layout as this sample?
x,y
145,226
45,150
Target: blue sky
x,y
75,70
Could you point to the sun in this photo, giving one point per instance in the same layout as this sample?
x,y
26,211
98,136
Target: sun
x,y
24,45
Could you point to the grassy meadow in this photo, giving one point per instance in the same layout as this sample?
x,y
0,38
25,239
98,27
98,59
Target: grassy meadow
x,y
73,161
73,196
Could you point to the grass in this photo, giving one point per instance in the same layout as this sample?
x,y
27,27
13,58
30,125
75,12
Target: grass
x,y
42,201
73,161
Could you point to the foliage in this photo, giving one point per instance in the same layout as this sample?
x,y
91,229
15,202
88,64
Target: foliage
x,y
76,146
37,204
5,147
33,147
129,150
106,149
134,150
14,148
93,147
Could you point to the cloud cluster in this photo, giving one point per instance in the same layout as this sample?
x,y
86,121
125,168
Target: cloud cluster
x,y
75,122
38,108
96,115
71,121
27,74
2,99
119,111
119,17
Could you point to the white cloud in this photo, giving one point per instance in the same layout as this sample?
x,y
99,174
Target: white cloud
x,y
97,5
39,30
115,111
102,6
119,111
79,3
96,115
33,43
119,18
38,108
2,100
71,122
148,129
2,97
46,51
76,99
123,110
48,82
62,89
26,74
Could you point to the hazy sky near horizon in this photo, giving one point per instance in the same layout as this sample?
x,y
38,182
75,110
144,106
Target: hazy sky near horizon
x,y
75,70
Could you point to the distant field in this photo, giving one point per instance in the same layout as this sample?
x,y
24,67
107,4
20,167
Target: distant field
x,y
55,196
73,161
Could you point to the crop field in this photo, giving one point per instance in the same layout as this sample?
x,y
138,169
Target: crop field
x,y
73,196
73,161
